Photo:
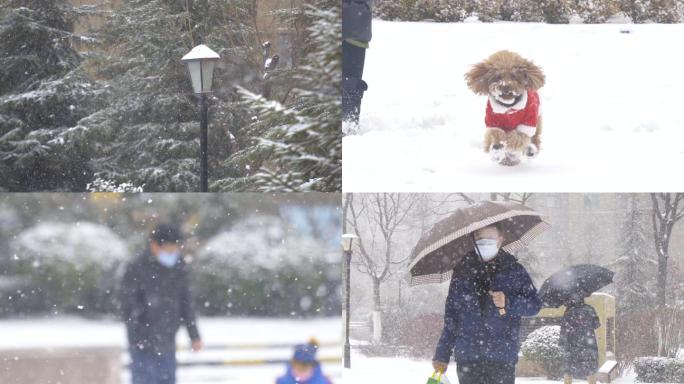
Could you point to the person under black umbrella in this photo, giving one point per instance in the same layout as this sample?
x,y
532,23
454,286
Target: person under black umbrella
x,y
569,287
578,340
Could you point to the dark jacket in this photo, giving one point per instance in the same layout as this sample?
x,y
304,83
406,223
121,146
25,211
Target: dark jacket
x,y
357,16
473,328
580,357
155,302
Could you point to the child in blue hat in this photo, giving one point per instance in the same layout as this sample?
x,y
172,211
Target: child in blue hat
x,y
304,368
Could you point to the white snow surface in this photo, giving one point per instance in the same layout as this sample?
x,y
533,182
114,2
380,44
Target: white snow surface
x,y
69,332
611,109
399,370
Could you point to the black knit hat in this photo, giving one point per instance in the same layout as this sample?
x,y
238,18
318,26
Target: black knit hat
x,y
167,233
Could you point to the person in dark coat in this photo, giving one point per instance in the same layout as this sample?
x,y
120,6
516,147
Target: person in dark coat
x,y
578,340
489,293
155,302
357,17
304,368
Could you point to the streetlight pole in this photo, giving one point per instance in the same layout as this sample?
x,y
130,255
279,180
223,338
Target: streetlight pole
x,y
204,166
347,306
201,61
347,240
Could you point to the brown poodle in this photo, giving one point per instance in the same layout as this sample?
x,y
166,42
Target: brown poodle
x,y
513,116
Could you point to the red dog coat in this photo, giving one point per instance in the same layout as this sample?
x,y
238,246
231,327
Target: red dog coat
x,y
508,119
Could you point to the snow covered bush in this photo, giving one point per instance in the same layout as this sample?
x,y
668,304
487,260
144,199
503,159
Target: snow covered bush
x,y
595,11
659,370
542,347
665,11
637,10
260,267
70,265
102,185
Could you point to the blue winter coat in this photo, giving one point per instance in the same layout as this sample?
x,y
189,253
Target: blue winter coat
x,y
317,378
473,328
357,16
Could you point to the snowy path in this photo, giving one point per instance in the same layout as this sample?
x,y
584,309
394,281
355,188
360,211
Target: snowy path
x,y
74,332
612,109
399,370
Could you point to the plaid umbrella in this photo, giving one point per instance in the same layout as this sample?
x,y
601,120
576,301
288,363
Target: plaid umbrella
x,y
441,249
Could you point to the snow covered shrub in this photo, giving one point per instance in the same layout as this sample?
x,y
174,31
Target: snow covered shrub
x,y
260,267
665,11
450,11
659,370
70,265
387,10
542,347
637,10
595,11
102,185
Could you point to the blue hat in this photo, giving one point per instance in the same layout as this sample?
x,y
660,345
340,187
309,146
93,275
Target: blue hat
x,y
306,353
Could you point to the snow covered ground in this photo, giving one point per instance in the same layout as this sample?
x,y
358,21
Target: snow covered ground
x,y
241,334
399,370
612,109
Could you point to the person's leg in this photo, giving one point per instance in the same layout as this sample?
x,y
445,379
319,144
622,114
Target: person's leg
x,y
591,379
567,379
142,367
498,373
353,87
166,364
471,373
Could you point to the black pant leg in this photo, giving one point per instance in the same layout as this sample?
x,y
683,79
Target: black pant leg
x,y
353,87
471,373
500,373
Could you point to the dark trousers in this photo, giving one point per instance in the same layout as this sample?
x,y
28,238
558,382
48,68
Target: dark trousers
x,y
485,372
353,61
152,368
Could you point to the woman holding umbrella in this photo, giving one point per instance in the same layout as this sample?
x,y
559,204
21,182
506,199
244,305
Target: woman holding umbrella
x,y
489,290
569,287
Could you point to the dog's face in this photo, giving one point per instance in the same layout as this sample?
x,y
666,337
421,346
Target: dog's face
x,y
505,76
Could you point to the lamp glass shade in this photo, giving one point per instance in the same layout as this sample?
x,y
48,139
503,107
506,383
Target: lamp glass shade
x,y
201,62
347,241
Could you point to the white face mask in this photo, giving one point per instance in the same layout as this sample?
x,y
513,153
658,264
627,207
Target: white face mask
x,y
488,248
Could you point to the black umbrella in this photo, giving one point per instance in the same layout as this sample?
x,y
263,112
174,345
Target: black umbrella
x,y
572,283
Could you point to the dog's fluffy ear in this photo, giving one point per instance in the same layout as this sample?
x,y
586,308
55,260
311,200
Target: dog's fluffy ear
x,y
478,78
533,75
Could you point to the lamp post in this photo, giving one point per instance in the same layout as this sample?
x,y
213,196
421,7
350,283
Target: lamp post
x,y
347,242
201,61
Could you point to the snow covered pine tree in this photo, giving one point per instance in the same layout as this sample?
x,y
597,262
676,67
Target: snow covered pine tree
x,y
43,92
298,144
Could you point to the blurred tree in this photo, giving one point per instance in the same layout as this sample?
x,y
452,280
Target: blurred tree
x,y
668,210
635,265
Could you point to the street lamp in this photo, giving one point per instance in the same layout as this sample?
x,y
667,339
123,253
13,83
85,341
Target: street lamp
x,y
201,61
347,242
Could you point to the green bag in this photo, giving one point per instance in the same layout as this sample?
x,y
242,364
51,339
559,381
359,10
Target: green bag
x,y
432,379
